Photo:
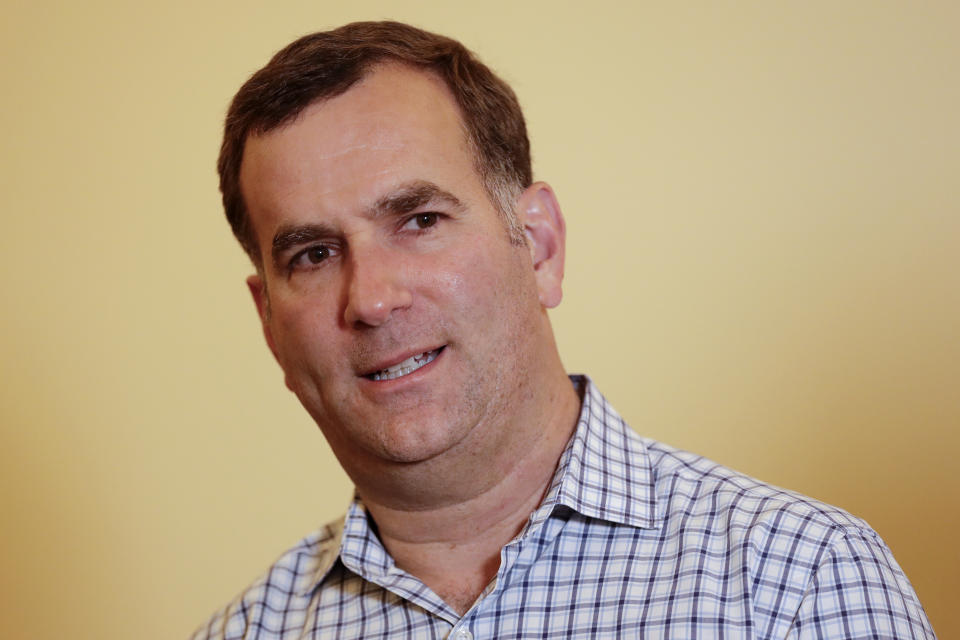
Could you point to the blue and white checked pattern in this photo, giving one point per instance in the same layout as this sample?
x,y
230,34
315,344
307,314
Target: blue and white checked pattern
x,y
634,540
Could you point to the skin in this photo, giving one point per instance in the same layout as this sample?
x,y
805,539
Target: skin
x,y
380,243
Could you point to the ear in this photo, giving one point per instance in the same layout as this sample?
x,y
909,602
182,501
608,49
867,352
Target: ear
x,y
539,213
258,290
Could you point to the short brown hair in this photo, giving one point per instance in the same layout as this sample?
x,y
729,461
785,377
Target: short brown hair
x,y
326,64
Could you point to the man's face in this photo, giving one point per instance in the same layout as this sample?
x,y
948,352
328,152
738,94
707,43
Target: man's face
x,y
403,317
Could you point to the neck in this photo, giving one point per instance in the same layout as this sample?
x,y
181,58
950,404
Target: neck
x,y
445,521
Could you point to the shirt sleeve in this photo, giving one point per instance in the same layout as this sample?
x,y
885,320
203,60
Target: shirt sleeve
x,y
859,591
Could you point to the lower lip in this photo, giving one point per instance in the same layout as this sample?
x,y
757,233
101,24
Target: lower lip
x,y
413,376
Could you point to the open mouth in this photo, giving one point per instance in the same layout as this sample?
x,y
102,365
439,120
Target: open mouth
x,y
406,367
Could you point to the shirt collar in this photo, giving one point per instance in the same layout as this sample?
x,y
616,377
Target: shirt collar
x,y
604,472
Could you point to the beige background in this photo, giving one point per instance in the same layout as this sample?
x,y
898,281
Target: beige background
x,y
764,267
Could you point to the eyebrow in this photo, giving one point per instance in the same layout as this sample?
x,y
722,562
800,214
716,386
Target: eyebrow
x,y
406,198
411,196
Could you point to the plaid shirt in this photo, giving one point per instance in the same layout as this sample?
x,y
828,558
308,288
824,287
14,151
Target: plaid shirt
x,y
634,540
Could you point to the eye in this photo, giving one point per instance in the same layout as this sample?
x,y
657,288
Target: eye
x,y
310,256
317,254
421,221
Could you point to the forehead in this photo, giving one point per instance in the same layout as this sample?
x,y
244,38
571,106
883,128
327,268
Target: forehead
x,y
397,124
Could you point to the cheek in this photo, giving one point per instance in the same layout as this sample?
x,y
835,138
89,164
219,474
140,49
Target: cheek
x,y
464,278
303,331
488,288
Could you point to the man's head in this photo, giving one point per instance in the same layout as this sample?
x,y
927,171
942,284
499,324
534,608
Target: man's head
x,y
406,316
323,65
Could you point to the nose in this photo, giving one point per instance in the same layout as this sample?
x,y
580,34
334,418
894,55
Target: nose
x,y
376,287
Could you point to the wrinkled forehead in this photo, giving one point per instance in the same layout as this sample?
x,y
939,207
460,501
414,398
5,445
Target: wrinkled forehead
x,y
396,124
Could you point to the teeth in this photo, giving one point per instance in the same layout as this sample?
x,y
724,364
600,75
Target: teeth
x,y
409,365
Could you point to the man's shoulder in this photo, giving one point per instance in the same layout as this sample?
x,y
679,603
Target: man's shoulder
x,y
664,483
689,484
778,558
274,599
823,567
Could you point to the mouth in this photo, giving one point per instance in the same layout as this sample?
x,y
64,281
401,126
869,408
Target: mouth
x,y
406,367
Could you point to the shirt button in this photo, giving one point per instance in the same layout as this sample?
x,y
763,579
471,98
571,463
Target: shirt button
x,y
463,634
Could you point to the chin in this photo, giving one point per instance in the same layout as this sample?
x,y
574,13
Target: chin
x,y
406,443
377,438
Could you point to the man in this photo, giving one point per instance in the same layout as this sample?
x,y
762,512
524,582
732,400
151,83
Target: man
x,y
379,178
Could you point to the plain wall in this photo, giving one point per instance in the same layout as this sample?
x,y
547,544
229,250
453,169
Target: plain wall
x,y
763,267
